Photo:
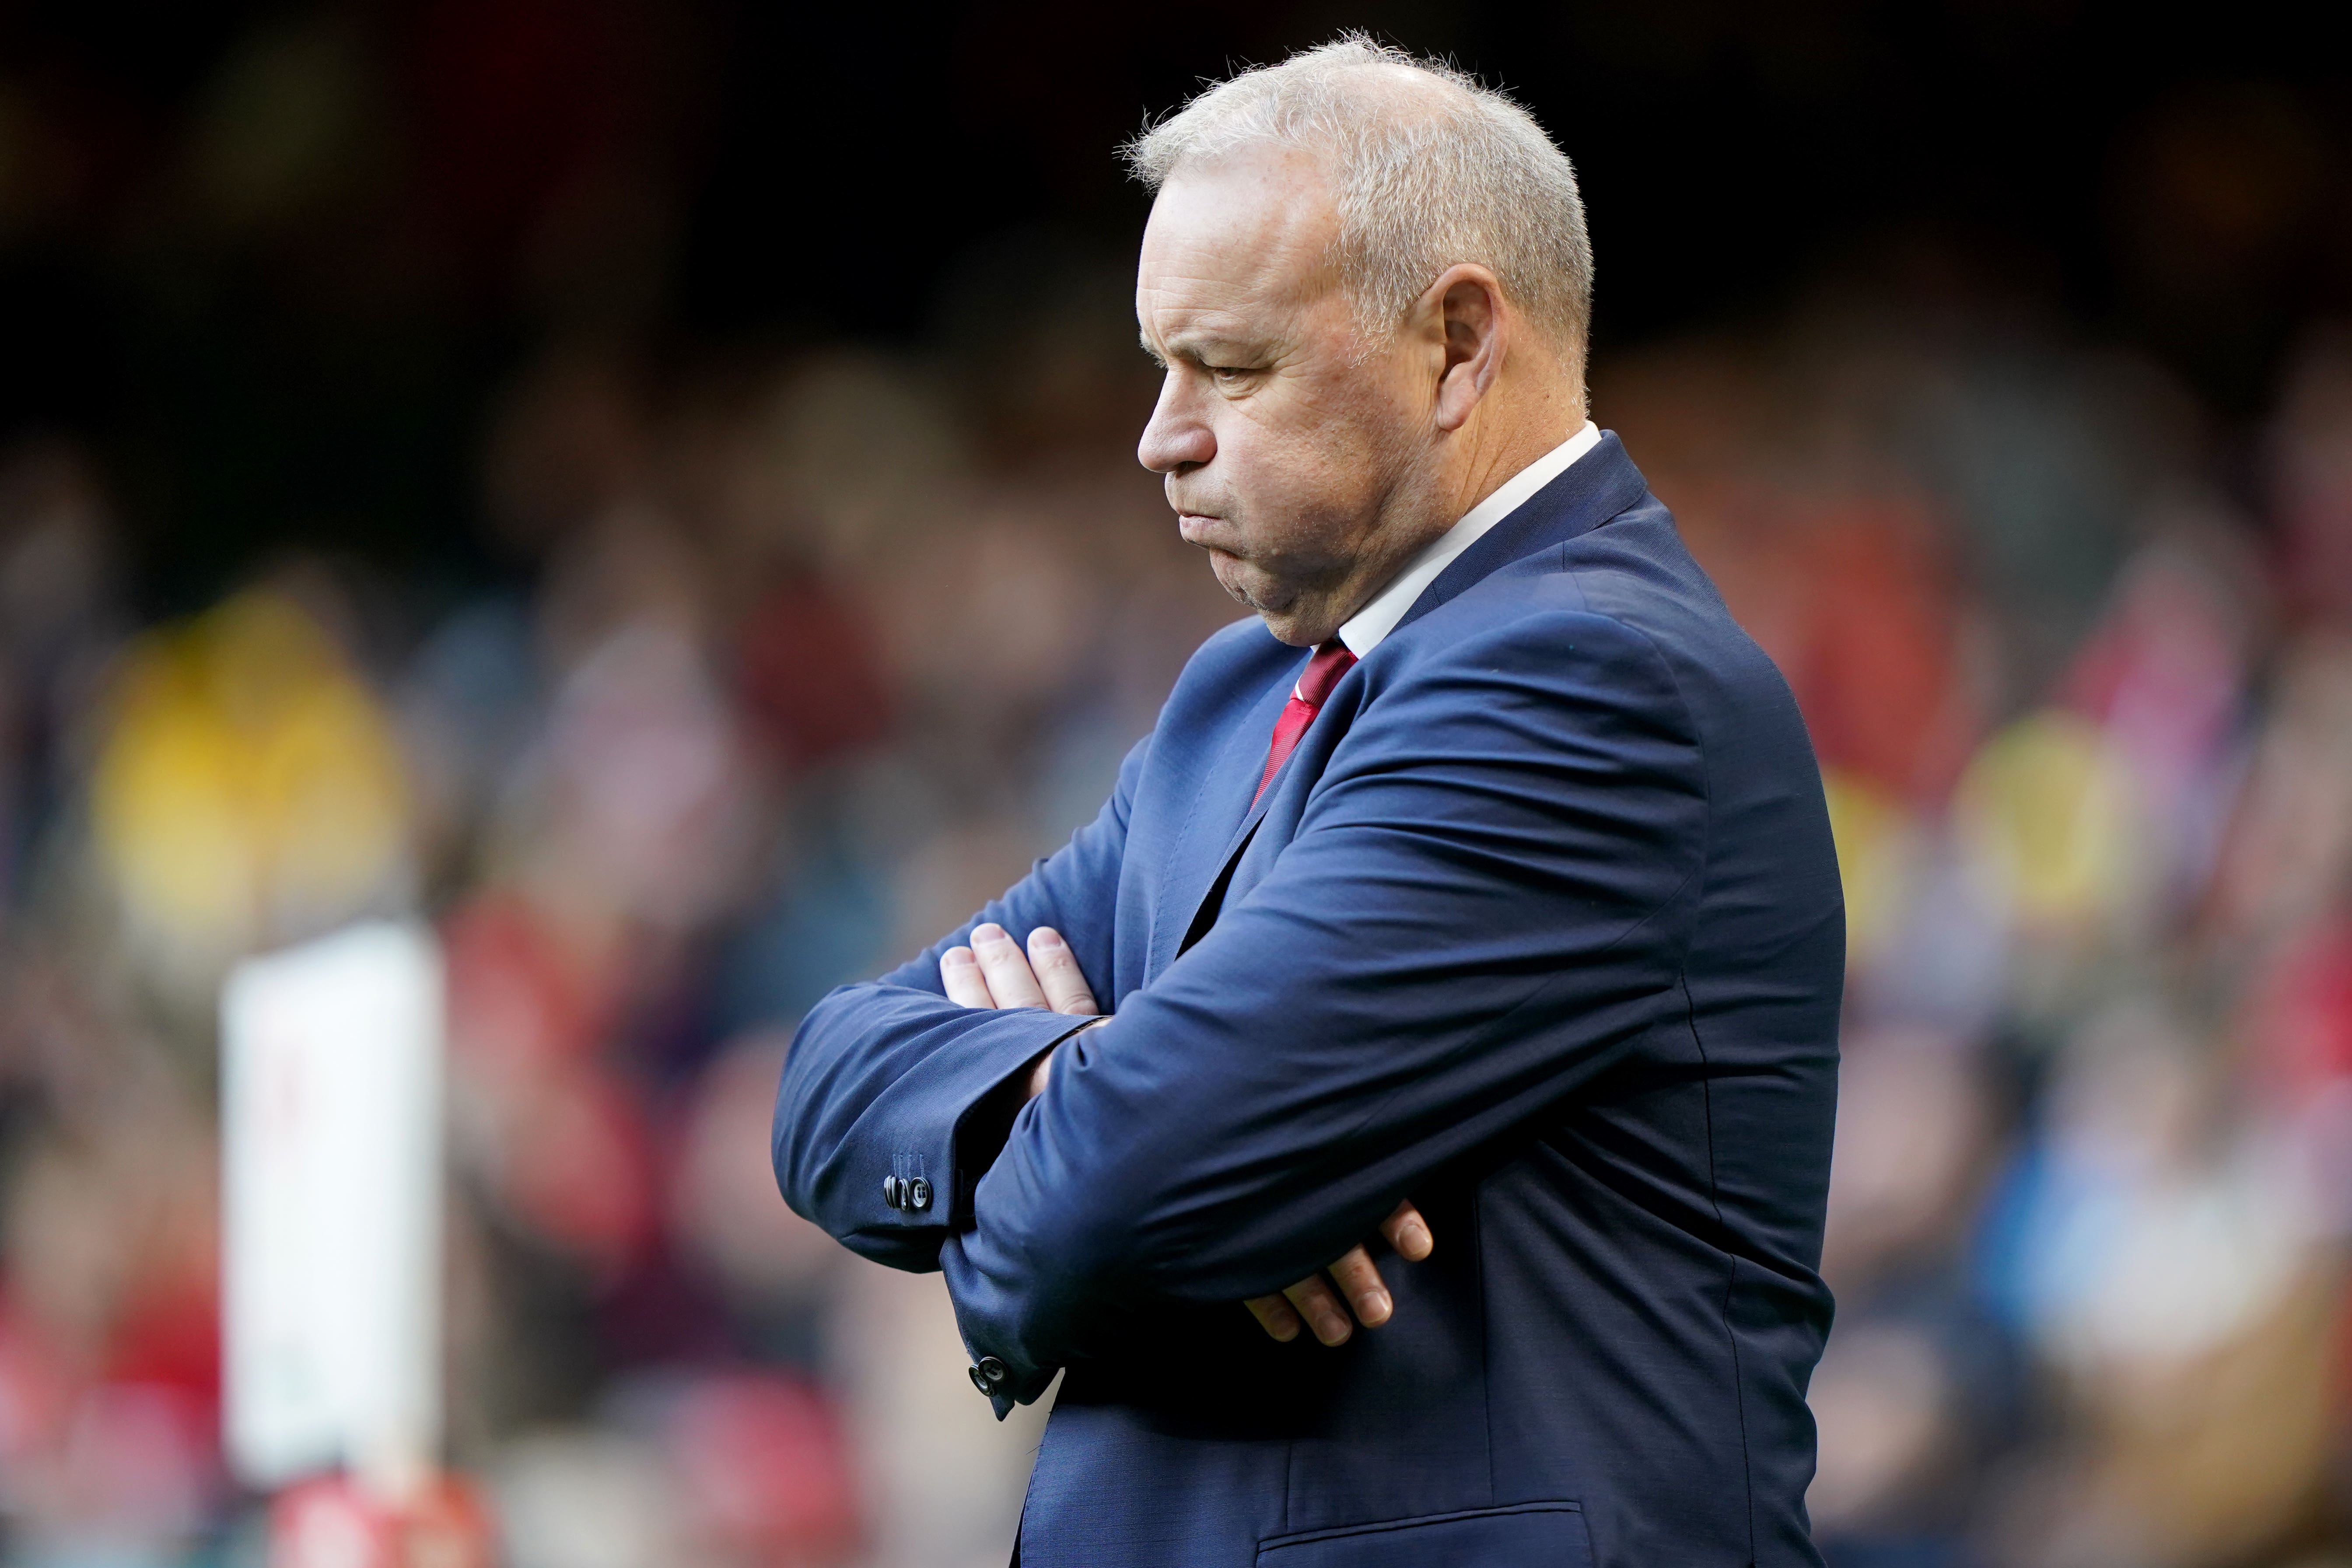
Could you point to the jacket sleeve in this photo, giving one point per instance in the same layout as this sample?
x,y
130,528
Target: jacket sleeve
x,y
1481,907
887,1079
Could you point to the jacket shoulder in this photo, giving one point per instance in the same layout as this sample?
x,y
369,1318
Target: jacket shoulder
x,y
1630,580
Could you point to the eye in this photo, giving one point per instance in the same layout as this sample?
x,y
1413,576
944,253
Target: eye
x,y
1226,375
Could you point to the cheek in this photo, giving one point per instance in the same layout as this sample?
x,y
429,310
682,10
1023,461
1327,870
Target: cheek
x,y
1292,481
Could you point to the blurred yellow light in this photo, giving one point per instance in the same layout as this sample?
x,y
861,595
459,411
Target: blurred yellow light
x,y
249,788
2047,812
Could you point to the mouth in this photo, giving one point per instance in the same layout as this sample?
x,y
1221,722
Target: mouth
x,y
1196,527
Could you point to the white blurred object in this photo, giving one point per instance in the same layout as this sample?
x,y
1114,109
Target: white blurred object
x,y
2157,1231
586,1499
331,1110
2170,1270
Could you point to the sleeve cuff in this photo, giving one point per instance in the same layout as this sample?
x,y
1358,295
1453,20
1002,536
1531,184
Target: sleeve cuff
x,y
921,1185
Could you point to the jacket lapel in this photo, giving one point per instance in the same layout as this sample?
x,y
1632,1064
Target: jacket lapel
x,y
1205,846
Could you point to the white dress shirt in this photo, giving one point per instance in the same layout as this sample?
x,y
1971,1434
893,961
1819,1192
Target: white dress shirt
x,y
1364,631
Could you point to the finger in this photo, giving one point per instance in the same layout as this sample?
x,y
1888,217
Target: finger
x,y
1275,1316
1360,1286
1409,1233
961,978
1058,975
1009,979
1316,1303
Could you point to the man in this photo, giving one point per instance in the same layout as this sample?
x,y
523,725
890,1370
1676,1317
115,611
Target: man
x,y
1505,920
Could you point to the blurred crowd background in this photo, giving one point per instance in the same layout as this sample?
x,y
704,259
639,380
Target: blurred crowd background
x,y
650,491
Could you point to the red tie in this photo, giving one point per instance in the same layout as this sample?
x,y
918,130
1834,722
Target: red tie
x,y
1323,672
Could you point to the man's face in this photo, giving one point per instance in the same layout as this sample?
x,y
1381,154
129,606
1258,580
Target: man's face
x,y
1293,451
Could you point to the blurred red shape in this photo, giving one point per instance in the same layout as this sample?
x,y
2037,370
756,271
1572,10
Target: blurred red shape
x,y
33,1390
1876,666
812,676
333,1522
172,1340
765,1468
578,1167
564,1143
2303,1014
519,1002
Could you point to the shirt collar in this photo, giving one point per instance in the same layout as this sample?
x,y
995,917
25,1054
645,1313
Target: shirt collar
x,y
1364,631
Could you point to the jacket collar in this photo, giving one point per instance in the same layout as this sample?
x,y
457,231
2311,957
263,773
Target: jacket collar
x,y
1588,493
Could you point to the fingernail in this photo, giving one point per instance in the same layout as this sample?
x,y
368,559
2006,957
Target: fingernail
x,y
991,932
1417,1242
1045,936
960,956
1373,1307
1332,1328
1286,1334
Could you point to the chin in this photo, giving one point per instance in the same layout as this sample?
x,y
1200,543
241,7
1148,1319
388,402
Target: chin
x,y
1287,625
1279,604
1243,585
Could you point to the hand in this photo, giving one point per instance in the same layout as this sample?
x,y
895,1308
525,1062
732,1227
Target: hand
x,y
1359,1286
993,973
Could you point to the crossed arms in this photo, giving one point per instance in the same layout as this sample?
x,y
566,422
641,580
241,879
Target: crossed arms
x,y
1480,909
995,973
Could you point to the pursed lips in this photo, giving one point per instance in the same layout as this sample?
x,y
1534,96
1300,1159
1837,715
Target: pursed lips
x,y
1198,528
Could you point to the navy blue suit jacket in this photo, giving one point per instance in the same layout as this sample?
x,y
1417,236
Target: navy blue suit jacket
x,y
1540,926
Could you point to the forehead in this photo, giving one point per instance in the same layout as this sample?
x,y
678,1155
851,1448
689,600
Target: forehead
x,y
1232,246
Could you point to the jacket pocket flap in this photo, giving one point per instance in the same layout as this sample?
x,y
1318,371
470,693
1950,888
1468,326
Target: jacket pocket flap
x,y
1523,1535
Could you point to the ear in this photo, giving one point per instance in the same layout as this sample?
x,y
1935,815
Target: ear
x,y
1466,304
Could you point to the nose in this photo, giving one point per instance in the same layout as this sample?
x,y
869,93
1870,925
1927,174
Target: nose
x,y
1176,437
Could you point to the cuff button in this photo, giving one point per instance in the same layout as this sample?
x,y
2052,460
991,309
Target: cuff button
x,y
919,1193
891,1190
988,1374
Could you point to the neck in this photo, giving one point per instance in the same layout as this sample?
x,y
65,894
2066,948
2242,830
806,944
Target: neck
x,y
1478,459
1507,434
1512,427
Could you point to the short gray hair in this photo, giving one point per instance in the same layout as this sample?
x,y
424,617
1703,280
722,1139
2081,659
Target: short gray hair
x,y
1427,171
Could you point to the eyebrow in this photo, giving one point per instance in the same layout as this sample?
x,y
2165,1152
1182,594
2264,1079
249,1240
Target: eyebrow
x,y
1194,345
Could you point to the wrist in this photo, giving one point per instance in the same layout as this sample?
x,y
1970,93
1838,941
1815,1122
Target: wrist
x,y
1041,1071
